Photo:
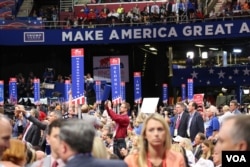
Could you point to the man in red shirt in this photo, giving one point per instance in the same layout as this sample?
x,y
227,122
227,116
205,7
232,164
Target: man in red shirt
x,y
122,122
91,16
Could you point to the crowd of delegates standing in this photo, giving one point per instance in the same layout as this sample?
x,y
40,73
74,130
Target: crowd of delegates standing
x,y
81,135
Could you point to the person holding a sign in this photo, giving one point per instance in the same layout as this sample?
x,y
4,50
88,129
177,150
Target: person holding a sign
x,y
155,146
122,122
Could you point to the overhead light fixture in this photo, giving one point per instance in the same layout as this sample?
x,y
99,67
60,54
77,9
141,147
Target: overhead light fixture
x,y
204,55
246,91
199,45
152,49
190,54
147,45
214,48
224,90
237,50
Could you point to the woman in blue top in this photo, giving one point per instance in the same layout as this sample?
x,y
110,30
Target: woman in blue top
x,y
139,123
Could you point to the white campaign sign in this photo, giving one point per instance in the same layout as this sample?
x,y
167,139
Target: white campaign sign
x,y
149,105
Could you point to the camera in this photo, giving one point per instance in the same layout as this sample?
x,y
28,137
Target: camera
x,y
168,111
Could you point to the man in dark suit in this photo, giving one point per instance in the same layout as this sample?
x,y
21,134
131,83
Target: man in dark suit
x,y
105,9
196,122
199,138
168,7
53,115
32,133
181,120
76,142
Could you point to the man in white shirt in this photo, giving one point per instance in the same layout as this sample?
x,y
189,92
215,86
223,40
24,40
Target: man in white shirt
x,y
88,78
226,113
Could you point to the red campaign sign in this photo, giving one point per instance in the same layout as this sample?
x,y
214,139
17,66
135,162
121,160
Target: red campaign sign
x,y
198,98
137,74
114,61
77,52
36,80
12,80
190,80
67,82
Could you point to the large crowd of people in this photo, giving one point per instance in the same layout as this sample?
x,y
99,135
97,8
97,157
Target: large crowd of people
x,y
142,13
73,135
153,13
86,135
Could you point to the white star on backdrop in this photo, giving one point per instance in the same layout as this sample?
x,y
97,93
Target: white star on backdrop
x,y
208,82
236,71
194,74
211,71
221,74
246,71
230,77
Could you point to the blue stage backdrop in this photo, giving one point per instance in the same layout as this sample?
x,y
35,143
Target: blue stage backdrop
x,y
214,76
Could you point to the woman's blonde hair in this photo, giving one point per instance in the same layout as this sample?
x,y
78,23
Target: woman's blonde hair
x,y
99,150
135,148
225,108
140,118
176,147
16,153
31,155
187,143
143,143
